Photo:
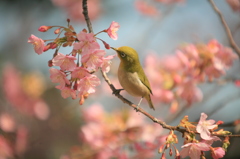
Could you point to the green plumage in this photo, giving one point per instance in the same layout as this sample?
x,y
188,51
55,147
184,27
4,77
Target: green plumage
x,y
130,65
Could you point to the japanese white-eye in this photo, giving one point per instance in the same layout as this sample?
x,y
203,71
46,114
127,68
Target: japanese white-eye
x,y
131,75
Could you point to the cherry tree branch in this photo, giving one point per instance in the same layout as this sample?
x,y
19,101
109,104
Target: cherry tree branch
x,y
124,100
85,13
227,29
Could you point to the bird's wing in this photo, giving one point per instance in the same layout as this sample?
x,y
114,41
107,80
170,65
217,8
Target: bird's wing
x,y
144,79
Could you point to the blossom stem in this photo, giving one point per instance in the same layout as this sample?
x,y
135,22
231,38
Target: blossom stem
x,y
100,32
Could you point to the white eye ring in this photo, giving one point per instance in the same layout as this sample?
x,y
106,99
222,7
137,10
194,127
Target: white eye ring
x,y
122,54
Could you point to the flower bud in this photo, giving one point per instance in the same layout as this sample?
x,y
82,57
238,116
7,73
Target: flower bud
x,y
47,47
170,152
107,46
44,28
86,95
74,53
174,106
84,30
203,157
163,156
71,27
160,150
75,86
226,143
81,101
219,122
65,44
53,45
222,132
50,63
177,154
167,145
57,31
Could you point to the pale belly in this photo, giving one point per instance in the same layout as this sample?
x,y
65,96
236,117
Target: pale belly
x,y
132,84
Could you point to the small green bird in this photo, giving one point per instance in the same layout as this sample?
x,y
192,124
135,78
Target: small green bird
x,y
131,75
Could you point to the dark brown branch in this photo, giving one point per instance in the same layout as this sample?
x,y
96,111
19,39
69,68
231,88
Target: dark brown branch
x,y
85,13
124,100
227,29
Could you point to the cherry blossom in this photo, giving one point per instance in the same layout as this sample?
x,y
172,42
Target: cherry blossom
x,y
37,43
95,134
65,62
145,8
80,72
94,113
74,8
22,93
67,92
87,84
106,63
111,31
204,126
226,55
41,110
193,150
103,136
178,75
217,152
213,138
58,76
93,60
87,43
215,70
150,133
143,151
190,92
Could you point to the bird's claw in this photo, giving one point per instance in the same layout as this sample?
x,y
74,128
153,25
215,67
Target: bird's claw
x,y
117,91
137,108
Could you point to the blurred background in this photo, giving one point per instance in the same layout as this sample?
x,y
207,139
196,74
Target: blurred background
x,y
37,123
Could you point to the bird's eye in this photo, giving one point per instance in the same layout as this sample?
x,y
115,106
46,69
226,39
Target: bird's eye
x,y
122,54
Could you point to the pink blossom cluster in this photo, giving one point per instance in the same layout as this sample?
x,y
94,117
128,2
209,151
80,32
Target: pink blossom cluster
x,y
177,76
22,98
149,8
76,74
23,93
106,135
74,8
195,148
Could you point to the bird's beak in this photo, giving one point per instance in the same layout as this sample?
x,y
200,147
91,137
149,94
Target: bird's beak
x,y
114,48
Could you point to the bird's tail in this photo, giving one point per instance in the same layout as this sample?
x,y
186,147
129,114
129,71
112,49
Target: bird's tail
x,y
149,100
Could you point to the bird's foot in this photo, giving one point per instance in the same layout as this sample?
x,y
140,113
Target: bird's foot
x,y
137,108
117,91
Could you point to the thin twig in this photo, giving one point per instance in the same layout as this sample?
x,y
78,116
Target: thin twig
x,y
227,29
124,100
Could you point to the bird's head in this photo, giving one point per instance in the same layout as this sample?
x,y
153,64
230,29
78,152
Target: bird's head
x,y
127,55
